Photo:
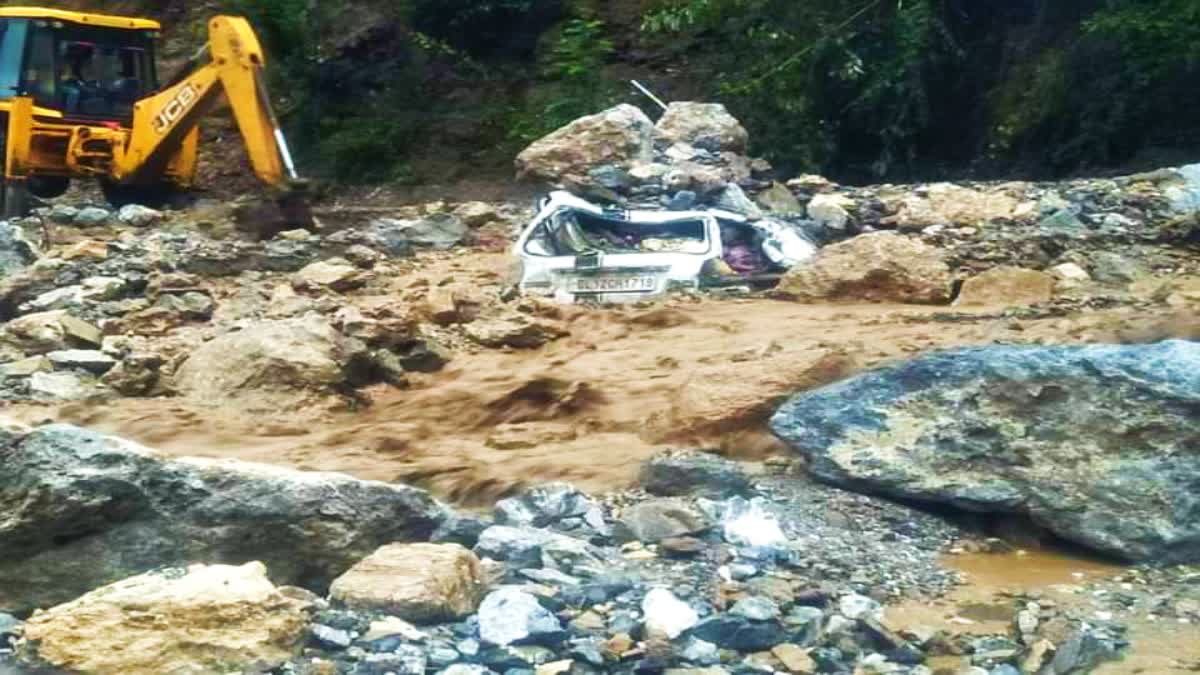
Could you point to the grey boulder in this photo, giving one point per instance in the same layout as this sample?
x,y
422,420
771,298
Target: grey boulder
x,y
82,510
1097,444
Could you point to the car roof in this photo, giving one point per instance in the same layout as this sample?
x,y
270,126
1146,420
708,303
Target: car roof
x,y
101,20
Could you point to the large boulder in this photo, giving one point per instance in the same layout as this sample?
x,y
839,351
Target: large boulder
x,y
422,583
620,136
707,125
875,267
271,365
82,510
1097,444
201,620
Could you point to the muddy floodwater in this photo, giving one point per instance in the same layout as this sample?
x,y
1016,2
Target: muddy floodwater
x,y
997,582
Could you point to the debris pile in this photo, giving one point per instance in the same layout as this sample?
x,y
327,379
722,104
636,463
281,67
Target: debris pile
x,y
735,573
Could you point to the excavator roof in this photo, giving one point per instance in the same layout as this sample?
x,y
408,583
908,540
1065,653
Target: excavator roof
x,y
101,20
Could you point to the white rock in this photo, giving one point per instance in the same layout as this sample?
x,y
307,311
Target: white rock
x,y
856,607
92,360
511,615
666,614
747,523
57,386
830,211
1070,273
139,216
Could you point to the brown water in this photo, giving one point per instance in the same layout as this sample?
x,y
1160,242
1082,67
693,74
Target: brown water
x,y
986,606
589,408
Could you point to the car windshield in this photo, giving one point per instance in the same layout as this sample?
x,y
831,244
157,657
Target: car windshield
x,y
575,231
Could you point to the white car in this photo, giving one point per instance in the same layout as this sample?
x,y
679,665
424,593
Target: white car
x,y
574,250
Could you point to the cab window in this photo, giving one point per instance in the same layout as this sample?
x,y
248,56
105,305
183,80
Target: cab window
x,y
12,49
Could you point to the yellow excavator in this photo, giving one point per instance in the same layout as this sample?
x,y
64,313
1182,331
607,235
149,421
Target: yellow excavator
x,y
80,97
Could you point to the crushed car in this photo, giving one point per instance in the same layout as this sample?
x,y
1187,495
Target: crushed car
x,y
576,251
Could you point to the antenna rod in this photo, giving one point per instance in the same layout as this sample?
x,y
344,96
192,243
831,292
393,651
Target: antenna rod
x,y
647,92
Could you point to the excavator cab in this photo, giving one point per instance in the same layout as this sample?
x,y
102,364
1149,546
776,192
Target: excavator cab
x,y
84,72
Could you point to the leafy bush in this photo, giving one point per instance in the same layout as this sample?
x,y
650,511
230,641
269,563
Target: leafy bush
x,y
573,82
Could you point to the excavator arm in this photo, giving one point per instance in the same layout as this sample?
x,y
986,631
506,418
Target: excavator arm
x,y
166,123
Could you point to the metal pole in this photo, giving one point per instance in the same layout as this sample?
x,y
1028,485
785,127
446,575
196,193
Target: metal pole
x,y
647,92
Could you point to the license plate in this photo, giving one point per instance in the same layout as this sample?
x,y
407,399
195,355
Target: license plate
x,y
614,283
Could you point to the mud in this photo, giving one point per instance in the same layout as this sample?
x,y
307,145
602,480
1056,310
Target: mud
x,y
1068,580
625,384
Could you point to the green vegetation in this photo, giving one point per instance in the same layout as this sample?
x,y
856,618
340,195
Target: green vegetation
x,y
899,88
895,89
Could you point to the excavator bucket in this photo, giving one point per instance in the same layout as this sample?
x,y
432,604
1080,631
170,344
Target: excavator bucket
x,y
286,209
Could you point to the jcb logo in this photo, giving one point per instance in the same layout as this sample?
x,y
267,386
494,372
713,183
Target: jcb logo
x,y
172,111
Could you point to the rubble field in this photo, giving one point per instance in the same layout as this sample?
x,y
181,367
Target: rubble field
x,y
388,458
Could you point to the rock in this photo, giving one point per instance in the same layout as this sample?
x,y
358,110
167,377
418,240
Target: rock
x,y
510,616
794,659
451,304
330,638
1069,274
548,505
466,669
657,519
91,216
16,252
335,275
734,632
80,330
830,211
779,199
518,332
270,365
422,583
1082,652
36,333
477,214
945,203
1109,267
58,387
191,306
460,529
528,547
621,136
391,626
702,124
405,660
876,267
135,375
694,473
750,524
91,360
756,609
26,367
437,231
700,652
733,198
139,216
88,249
667,615
1121,417
83,510
1007,287
172,622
